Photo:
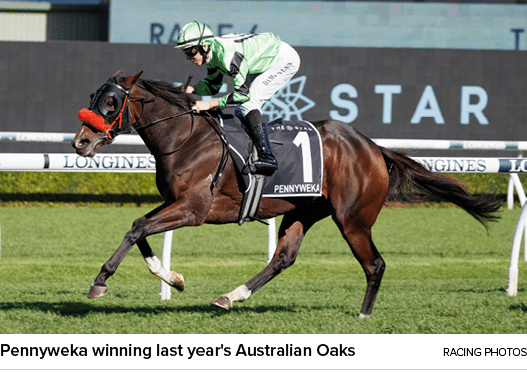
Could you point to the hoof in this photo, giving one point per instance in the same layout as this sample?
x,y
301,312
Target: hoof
x,y
362,316
97,291
177,281
223,302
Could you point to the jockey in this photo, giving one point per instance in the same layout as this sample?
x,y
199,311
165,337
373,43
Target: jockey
x,y
258,64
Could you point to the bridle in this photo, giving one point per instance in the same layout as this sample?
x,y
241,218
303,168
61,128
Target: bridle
x,y
96,115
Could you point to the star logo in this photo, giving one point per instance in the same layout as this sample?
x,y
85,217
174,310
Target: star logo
x,y
288,102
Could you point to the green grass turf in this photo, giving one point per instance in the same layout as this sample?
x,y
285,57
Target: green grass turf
x,y
444,274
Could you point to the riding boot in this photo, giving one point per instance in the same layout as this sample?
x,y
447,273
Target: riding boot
x,y
266,164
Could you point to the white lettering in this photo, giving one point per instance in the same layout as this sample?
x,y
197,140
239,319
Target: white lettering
x,y
353,110
428,99
477,108
298,188
521,167
387,102
427,107
302,140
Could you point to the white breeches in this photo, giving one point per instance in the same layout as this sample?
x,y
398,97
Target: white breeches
x,y
266,84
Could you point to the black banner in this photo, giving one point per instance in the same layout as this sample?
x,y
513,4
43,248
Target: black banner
x,y
384,93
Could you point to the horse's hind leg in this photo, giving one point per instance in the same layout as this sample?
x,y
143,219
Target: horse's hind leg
x,y
361,244
291,233
290,236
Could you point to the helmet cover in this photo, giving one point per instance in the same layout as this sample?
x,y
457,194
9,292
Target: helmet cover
x,y
194,34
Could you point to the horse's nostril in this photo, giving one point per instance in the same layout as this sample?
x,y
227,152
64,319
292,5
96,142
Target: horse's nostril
x,y
80,143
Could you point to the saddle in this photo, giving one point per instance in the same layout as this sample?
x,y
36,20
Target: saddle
x,y
298,148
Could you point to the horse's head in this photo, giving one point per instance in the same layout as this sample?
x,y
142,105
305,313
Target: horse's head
x,y
107,116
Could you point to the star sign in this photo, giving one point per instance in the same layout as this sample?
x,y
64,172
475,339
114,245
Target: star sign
x,y
288,102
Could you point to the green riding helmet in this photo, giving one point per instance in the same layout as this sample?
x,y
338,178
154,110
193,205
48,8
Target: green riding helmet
x,y
194,34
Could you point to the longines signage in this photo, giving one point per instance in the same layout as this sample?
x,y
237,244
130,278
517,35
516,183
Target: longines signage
x,y
474,165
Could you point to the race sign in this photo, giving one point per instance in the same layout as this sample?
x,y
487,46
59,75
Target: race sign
x,y
125,163
474,165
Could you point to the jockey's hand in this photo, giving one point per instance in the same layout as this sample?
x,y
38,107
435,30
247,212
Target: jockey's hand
x,y
189,90
205,105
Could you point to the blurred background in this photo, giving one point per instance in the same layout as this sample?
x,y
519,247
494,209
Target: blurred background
x,y
405,69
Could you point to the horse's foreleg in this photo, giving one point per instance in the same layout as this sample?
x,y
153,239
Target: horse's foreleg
x,y
172,278
98,287
292,230
163,218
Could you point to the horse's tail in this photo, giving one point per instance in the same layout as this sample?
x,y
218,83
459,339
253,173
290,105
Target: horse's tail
x,y
411,182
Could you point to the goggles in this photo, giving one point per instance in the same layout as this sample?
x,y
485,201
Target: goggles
x,y
191,52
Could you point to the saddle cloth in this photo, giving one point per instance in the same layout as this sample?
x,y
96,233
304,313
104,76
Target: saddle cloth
x,y
298,148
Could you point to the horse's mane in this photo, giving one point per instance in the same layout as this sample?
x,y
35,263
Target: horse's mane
x,y
167,91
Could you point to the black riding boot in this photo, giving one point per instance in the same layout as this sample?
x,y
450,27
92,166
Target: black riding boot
x,y
266,163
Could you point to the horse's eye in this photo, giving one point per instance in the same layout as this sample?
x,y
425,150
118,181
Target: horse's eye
x,y
111,102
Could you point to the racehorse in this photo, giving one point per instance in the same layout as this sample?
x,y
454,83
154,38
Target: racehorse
x,y
198,182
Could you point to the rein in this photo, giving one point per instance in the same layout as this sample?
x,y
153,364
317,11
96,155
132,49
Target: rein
x,y
217,129
137,128
160,120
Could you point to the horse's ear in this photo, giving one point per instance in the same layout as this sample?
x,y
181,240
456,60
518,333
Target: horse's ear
x,y
120,72
128,81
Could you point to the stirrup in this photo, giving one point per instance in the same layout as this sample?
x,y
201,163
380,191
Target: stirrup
x,y
259,167
251,200
255,165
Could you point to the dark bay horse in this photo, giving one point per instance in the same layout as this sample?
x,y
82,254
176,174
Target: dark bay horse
x,y
358,177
